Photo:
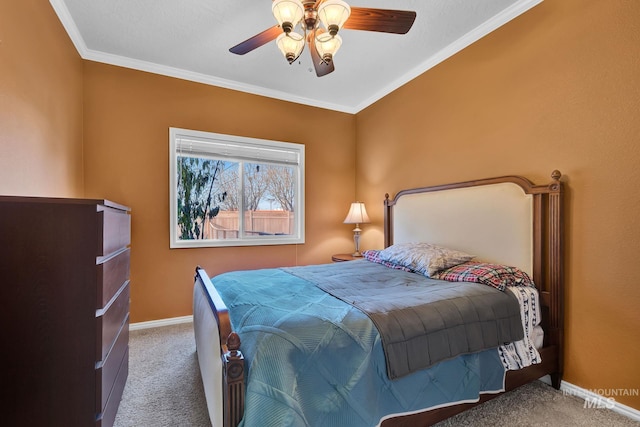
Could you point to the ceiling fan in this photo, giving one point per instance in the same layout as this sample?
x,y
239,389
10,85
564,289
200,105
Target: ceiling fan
x,y
320,21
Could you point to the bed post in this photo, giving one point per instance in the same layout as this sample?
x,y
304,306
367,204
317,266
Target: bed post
x,y
233,379
548,270
556,271
388,220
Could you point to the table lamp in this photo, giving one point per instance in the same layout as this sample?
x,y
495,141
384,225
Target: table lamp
x,y
357,215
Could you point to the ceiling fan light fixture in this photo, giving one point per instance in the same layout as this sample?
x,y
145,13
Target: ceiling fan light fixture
x,y
320,21
291,45
333,14
288,13
327,46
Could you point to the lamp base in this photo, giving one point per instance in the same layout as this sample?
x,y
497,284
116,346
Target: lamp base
x,y
356,241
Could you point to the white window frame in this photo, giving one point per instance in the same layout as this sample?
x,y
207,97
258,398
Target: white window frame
x,y
233,147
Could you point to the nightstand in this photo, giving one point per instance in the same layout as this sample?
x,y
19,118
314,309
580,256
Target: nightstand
x,y
344,257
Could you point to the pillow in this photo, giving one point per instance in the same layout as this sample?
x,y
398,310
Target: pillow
x,y
423,258
496,275
373,255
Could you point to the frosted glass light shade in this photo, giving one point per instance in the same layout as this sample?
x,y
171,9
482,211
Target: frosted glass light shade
x,y
327,46
288,13
290,45
333,14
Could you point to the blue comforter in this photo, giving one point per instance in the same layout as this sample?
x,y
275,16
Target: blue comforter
x,y
314,360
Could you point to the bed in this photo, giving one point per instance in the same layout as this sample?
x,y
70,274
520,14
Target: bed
x,y
252,380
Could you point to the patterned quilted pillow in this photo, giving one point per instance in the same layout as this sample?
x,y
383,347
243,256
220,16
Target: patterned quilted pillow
x,y
424,258
496,275
373,255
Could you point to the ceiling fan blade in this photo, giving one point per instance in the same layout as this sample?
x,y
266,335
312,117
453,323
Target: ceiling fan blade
x,y
322,68
256,41
381,20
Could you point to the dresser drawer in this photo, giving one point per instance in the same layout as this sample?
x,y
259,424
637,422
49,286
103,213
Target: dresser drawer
x,y
109,322
107,372
116,230
110,410
112,273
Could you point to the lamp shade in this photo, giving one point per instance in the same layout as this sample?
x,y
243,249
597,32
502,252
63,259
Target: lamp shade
x,y
357,214
290,45
327,46
288,13
333,14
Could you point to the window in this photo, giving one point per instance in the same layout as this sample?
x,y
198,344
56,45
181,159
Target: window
x,y
234,191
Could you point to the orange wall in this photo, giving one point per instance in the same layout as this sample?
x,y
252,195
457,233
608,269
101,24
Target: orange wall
x,y
557,88
40,103
127,119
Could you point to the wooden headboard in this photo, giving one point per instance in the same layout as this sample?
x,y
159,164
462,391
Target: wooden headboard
x,y
507,220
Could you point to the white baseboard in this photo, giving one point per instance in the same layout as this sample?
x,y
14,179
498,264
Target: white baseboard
x,y
585,394
161,322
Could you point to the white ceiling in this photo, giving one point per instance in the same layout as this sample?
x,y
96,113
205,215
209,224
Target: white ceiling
x,y
190,39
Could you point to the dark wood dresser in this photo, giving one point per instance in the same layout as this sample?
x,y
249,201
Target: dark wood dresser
x,y
64,280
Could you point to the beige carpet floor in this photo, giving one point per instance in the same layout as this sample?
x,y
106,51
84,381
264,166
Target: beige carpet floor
x,y
164,389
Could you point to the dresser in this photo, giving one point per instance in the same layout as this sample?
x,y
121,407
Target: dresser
x,y
64,287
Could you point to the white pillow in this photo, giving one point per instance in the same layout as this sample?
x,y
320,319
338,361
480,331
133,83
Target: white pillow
x,y
424,258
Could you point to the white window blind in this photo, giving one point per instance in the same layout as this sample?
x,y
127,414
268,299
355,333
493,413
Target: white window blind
x,y
257,152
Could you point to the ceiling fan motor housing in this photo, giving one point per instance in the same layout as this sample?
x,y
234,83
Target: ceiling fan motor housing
x,y
310,16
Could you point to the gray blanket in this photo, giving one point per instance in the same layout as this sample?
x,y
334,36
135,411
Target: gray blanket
x,y
420,321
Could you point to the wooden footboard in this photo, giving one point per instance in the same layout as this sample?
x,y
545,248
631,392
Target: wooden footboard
x,y
232,358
